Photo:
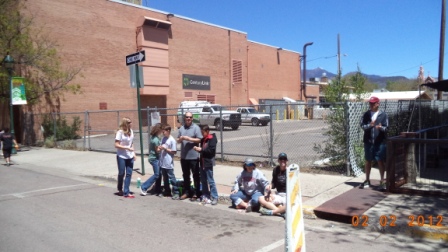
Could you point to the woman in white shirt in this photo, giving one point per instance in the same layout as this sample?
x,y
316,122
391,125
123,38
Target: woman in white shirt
x,y
125,156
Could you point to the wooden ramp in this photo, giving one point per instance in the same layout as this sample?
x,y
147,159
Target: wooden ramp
x,y
353,202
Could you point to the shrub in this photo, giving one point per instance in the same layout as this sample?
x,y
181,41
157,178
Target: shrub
x,y
50,142
64,131
68,145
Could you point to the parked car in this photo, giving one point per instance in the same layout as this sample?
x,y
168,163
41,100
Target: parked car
x,y
210,114
251,115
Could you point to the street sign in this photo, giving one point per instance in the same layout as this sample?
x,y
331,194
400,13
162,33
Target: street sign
x,y
135,58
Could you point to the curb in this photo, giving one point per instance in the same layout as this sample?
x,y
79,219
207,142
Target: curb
x,y
425,231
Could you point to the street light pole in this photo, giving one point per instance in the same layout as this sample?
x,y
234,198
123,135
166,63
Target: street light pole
x,y
8,62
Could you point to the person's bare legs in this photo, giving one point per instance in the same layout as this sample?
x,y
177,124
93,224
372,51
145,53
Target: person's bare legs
x,y
368,167
382,169
280,209
242,205
267,204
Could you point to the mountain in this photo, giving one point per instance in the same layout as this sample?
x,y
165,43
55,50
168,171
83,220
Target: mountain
x,y
379,80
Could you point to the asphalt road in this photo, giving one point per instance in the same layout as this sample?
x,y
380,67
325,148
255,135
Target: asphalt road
x,y
43,212
48,210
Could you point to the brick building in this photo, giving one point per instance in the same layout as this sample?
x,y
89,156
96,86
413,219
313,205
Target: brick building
x,y
99,34
186,59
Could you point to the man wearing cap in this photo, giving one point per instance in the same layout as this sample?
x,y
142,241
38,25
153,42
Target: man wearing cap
x,y
374,123
275,204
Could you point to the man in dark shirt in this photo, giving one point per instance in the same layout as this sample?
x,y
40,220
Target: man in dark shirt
x,y
375,124
8,142
275,204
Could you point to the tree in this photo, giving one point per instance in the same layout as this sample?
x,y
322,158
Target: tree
x,y
337,94
36,58
403,85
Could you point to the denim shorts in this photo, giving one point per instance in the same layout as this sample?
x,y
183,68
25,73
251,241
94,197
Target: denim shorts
x,y
375,152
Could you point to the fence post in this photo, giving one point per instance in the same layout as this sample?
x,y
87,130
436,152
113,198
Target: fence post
x,y
88,128
271,140
85,131
118,118
54,127
347,135
148,115
221,128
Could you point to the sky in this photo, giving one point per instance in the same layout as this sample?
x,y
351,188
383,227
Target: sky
x,y
381,37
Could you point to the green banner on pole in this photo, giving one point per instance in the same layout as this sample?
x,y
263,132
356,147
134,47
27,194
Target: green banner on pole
x,y
18,91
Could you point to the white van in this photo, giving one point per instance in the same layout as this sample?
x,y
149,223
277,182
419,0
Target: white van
x,y
194,107
209,114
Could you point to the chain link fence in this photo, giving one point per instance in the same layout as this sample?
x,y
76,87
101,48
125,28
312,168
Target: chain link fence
x,y
294,128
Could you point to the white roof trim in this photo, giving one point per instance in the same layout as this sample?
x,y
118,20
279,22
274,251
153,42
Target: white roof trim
x,y
175,15
276,47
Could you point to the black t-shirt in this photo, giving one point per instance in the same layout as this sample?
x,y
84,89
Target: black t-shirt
x,y
279,180
7,138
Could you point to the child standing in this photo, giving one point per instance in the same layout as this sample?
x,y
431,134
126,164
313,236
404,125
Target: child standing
x,y
167,151
206,162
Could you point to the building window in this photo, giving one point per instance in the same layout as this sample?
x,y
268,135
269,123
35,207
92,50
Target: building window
x,y
209,98
188,95
237,71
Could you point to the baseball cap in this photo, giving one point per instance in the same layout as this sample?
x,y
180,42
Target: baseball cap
x,y
282,155
249,162
374,99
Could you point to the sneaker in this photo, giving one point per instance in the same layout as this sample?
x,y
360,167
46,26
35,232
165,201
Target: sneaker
x,y
120,193
365,184
206,201
184,196
143,192
265,211
383,186
8,164
283,215
195,198
248,208
214,201
129,196
175,197
160,195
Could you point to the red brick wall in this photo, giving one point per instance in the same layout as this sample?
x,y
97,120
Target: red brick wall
x,y
273,73
99,34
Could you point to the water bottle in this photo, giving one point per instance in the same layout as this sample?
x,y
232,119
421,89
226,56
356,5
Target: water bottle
x,y
138,182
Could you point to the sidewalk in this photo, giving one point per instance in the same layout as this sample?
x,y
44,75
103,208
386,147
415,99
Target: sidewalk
x,y
316,189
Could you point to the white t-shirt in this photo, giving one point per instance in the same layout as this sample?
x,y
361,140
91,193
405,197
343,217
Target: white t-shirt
x,y
374,115
125,141
166,158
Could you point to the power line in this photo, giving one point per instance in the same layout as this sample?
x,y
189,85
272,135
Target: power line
x,y
413,67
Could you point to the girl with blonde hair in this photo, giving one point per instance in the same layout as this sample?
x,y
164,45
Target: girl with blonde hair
x,y
125,156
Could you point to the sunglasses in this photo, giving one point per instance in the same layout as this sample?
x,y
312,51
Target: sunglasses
x,y
251,164
188,117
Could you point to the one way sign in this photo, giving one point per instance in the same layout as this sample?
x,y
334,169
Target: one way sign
x,y
135,58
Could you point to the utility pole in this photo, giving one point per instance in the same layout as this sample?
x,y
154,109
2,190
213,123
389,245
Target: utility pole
x,y
442,48
339,56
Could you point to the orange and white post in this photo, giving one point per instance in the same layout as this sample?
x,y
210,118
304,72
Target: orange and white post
x,y
295,228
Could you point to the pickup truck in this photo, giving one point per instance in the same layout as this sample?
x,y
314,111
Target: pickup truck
x,y
209,114
251,115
